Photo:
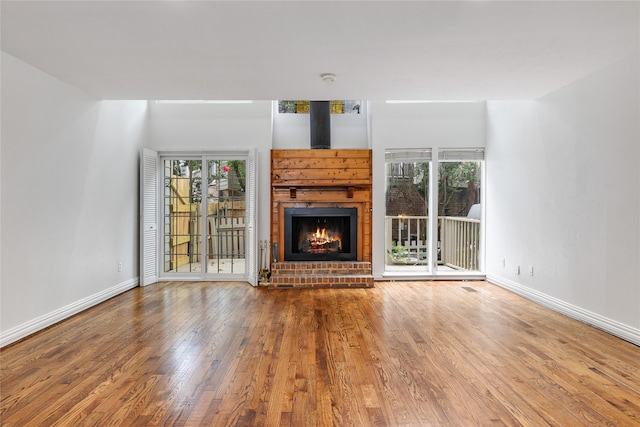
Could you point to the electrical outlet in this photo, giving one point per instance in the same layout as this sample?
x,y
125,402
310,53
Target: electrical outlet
x,y
517,269
119,265
531,270
504,262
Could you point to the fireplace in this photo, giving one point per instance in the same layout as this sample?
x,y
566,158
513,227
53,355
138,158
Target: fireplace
x,y
320,234
321,218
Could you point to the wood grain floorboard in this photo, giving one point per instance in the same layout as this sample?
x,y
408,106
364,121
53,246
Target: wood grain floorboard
x,y
399,354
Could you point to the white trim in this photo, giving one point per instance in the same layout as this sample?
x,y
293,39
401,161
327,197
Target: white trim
x,y
251,202
483,214
435,101
149,216
395,276
610,326
239,278
434,197
197,153
42,322
204,101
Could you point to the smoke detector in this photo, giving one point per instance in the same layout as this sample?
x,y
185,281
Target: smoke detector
x,y
328,77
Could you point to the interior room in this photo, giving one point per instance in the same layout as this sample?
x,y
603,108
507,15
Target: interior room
x,y
543,96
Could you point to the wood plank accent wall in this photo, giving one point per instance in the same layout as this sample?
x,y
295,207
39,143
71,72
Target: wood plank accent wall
x,y
321,178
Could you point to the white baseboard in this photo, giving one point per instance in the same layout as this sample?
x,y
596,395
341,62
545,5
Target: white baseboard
x,y
39,323
610,326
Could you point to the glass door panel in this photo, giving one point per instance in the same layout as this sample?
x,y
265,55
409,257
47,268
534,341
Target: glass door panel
x,y
182,244
406,220
459,219
226,215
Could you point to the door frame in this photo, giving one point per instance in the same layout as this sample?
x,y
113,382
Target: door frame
x,y
152,224
434,155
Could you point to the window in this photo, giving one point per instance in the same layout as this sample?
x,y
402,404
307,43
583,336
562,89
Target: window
x,y
302,107
407,204
433,221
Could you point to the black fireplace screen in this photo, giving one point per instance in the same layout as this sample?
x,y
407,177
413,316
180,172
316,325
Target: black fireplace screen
x,y
320,234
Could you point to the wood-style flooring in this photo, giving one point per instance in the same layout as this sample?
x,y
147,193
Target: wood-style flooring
x,y
399,354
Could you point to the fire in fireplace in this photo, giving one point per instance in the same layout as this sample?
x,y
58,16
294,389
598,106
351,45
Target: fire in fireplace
x,y
321,241
320,234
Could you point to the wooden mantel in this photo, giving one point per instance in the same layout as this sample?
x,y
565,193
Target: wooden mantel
x,y
321,178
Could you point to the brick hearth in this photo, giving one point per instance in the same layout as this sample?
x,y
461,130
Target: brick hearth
x,y
326,274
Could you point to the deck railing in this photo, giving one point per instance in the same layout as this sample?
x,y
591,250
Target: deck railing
x,y
458,241
407,239
227,239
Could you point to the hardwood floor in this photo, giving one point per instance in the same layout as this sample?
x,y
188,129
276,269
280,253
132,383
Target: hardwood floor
x,y
402,353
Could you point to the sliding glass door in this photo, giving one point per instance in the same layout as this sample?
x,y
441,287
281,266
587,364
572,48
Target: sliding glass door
x,y
206,216
433,221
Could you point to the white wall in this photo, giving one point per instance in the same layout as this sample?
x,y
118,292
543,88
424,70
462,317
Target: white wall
x,y
563,187
563,195
69,198
428,125
208,127
292,131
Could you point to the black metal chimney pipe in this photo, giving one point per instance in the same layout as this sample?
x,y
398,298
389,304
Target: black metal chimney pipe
x,y
320,121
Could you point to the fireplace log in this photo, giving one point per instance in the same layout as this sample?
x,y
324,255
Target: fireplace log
x,y
315,247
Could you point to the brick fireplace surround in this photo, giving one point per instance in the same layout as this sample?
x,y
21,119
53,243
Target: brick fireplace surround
x,y
322,179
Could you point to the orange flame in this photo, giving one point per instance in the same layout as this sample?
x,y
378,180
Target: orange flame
x,y
321,234
322,237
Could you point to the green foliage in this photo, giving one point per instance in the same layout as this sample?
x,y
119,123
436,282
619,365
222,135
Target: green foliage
x,y
453,177
233,170
191,169
398,254
421,175
458,174
239,170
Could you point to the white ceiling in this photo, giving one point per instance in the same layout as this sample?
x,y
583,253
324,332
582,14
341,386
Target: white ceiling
x,y
277,49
